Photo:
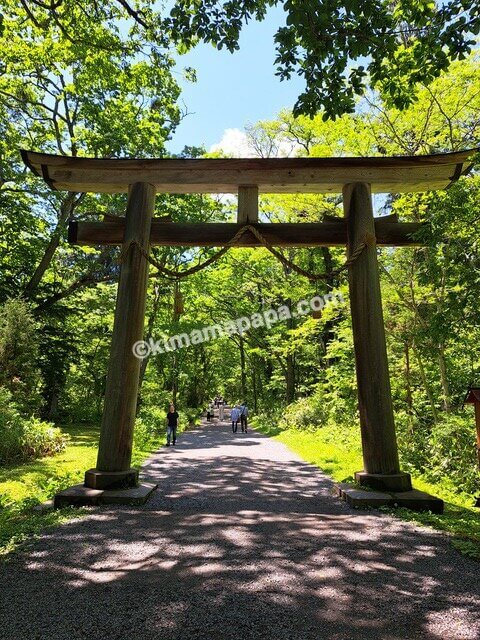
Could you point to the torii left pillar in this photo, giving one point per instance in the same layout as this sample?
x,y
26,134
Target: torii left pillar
x,y
116,436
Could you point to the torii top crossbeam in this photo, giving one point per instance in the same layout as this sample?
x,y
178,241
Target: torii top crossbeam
x,y
397,174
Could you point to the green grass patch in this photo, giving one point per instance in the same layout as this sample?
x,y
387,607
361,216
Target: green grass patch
x,y
340,457
338,461
25,485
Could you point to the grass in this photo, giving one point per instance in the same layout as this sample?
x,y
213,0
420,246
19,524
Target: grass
x,y
25,485
339,459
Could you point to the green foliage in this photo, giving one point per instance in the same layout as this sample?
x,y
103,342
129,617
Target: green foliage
x,y
25,485
22,438
78,82
453,452
144,436
395,47
19,346
306,413
22,486
442,452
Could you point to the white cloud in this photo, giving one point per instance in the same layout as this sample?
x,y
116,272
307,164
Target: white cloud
x,y
234,143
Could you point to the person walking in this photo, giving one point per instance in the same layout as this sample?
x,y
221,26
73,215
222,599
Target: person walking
x,y
210,412
243,417
172,423
221,409
234,417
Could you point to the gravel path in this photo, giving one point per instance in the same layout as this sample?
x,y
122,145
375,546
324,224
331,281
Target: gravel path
x,y
242,540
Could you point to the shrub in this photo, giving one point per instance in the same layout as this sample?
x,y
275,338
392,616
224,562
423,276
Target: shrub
x,y
41,439
452,452
443,453
19,371
306,413
25,438
153,417
144,437
413,433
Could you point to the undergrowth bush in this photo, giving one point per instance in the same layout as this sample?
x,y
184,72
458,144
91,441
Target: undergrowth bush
x,y
19,350
452,452
306,413
152,424
442,453
144,437
25,438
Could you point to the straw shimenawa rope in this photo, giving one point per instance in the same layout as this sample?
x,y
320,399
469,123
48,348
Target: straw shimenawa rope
x,y
177,275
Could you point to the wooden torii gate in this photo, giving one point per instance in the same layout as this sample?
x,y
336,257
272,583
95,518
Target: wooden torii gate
x,y
357,178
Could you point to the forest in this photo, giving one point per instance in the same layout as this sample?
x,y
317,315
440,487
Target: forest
x,y
107,93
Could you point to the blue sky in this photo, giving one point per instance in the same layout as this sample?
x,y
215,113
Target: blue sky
x,y
233,89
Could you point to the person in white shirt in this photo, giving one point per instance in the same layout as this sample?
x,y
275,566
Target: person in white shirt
x,y
235,416
221,409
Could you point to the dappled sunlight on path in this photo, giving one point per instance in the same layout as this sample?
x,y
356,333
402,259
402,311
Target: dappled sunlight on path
x,y
242,540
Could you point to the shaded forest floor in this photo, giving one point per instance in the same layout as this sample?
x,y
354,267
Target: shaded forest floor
x,y
23,486
241,539
339,460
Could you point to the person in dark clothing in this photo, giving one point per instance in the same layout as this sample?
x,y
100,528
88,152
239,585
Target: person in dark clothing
x,y
172,422
243,417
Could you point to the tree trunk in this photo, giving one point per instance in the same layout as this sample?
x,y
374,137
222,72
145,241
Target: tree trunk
x,y
290,364
426,386
290,378
254,385
66,210
53,408
149,335
243,371
408,382
444,378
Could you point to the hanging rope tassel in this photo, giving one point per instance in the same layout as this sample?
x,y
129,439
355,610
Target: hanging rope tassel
x,y
178,300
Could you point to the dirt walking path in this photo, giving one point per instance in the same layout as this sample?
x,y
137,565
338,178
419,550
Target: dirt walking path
x,y
242,540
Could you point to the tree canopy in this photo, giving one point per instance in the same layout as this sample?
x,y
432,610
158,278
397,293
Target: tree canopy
x,y
341,48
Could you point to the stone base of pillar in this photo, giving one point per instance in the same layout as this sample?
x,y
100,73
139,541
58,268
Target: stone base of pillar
x,y
96,479
80,496
414,500
384,482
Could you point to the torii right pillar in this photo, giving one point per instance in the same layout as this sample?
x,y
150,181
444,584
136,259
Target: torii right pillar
x,y
379,443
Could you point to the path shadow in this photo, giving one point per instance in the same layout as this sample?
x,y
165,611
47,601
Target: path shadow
x,y
247,544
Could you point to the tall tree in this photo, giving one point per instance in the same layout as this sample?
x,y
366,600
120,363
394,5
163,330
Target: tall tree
x,y
104,93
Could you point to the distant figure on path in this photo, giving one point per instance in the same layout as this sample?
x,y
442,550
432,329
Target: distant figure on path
x,y
210,412
235,416
172,422
243,417
221,409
